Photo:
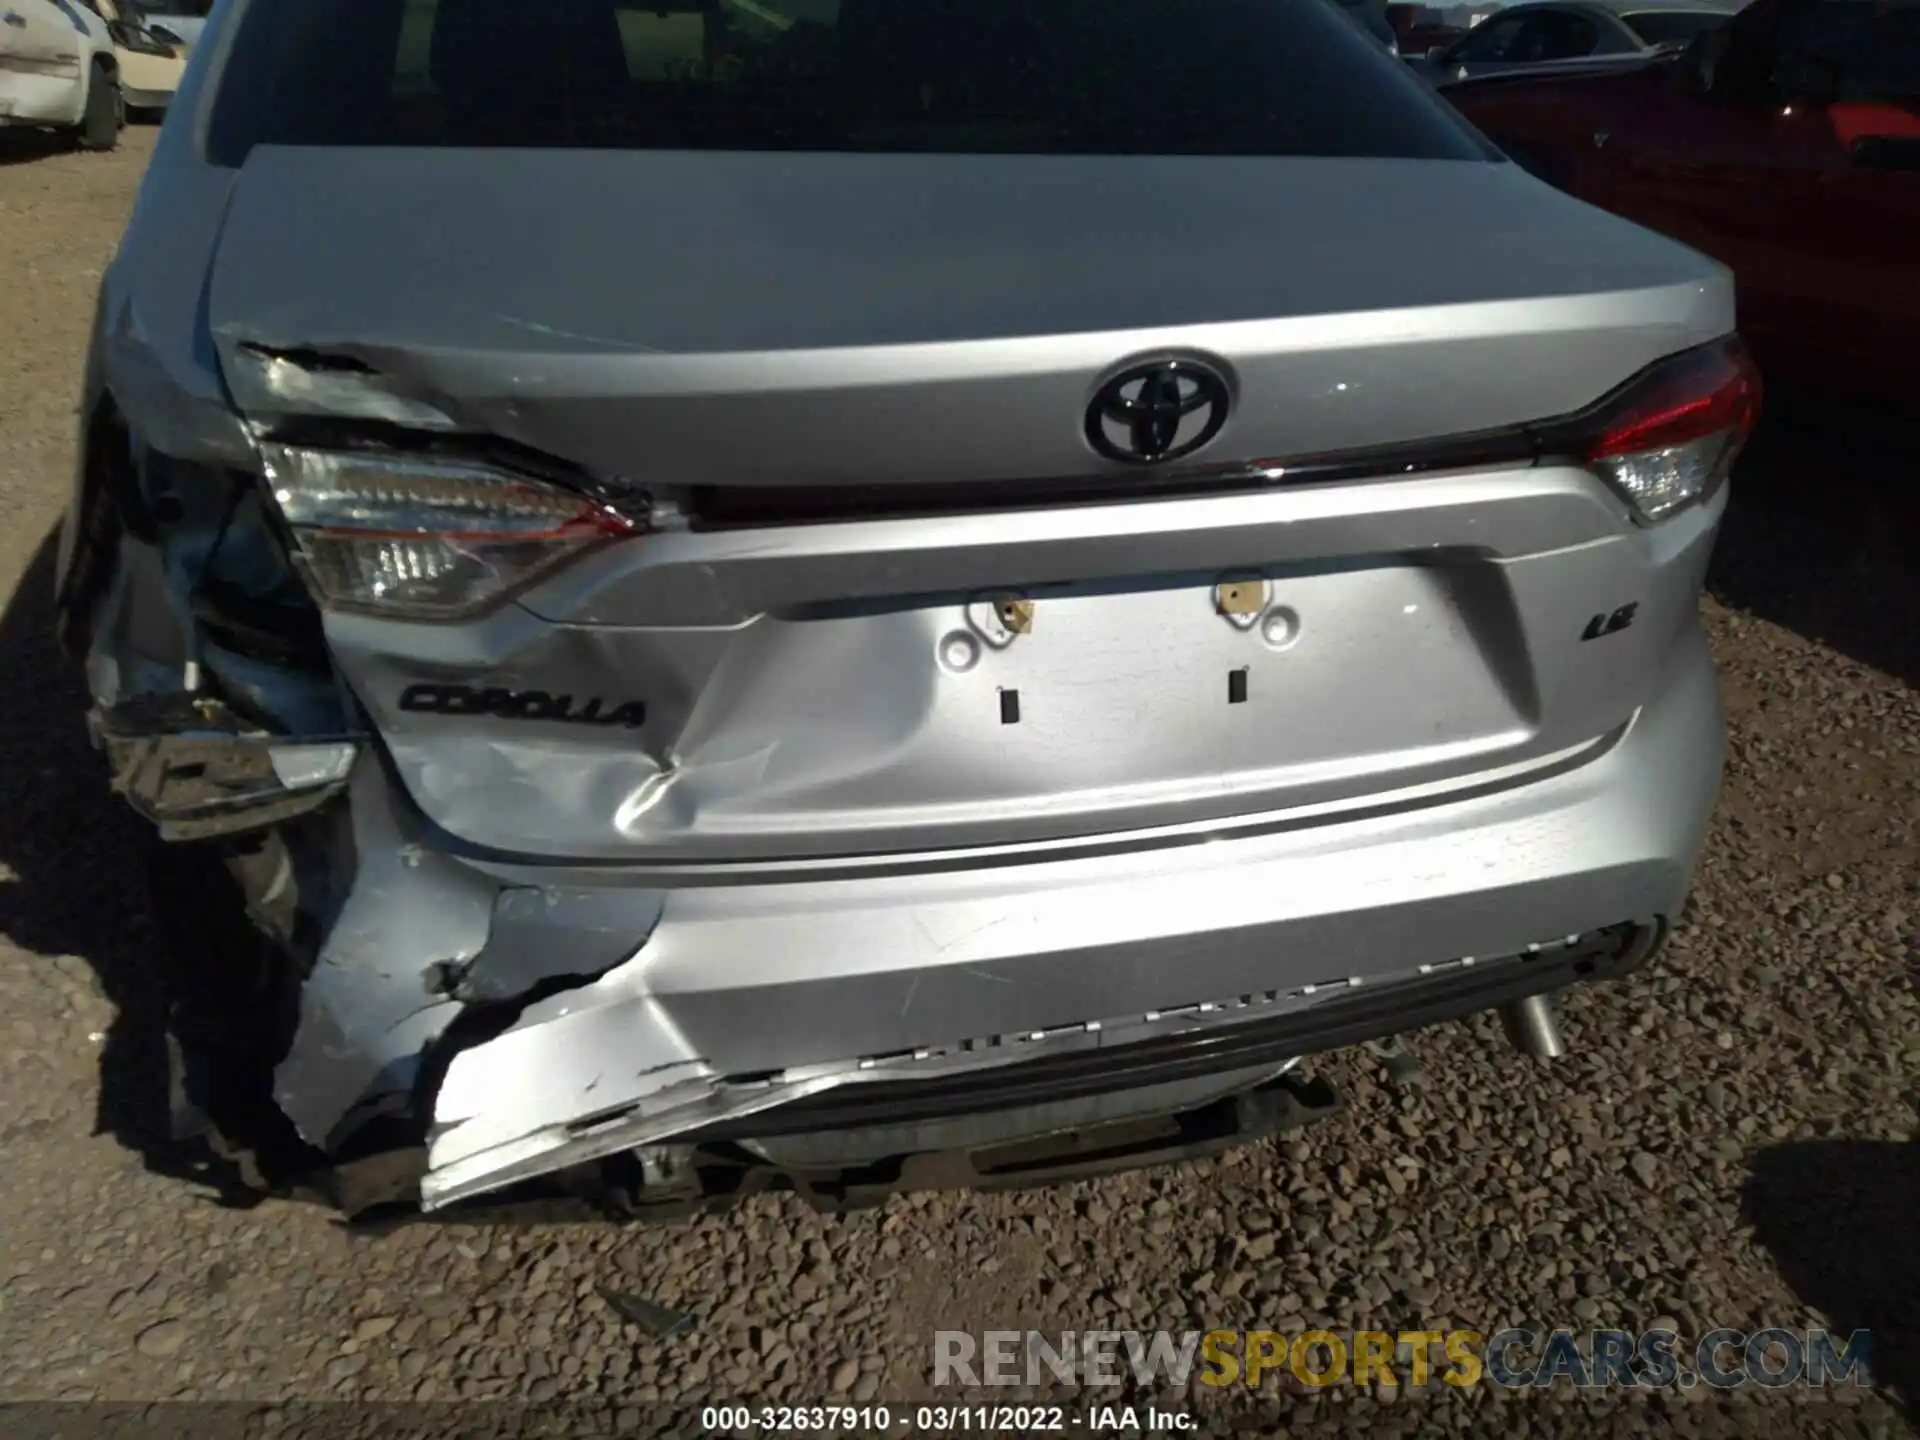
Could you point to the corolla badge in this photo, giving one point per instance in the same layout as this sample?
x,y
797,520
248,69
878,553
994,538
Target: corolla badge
x,y
507,704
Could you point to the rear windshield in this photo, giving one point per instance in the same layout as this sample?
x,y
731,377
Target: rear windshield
x,y
1673,27
1251,77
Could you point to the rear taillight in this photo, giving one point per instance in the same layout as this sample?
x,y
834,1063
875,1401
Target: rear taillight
x,y
1669,437
426,538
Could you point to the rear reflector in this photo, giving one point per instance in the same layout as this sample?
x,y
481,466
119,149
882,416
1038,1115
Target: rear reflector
x,y
426,538
1668,437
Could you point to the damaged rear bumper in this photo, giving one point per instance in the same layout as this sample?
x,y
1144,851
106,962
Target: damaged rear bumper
x,y
884,994
1251,1036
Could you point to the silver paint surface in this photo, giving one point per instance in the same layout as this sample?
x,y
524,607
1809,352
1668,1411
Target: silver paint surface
x,y
826,845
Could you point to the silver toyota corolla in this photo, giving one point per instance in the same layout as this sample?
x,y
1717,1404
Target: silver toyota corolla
x,y
774,589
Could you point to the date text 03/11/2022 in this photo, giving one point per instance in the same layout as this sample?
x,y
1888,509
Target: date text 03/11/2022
x,y
943,1419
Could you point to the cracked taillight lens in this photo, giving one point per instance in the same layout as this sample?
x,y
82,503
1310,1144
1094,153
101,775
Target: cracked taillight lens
x,y
1669,439
423,537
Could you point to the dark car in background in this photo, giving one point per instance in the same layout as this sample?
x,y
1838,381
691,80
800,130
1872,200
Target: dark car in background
x,y
1420,29
1575,34
1786,145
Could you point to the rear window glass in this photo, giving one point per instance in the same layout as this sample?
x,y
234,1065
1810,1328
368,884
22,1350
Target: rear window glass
x,y
1494,40
1259,77
1673,27
1557,35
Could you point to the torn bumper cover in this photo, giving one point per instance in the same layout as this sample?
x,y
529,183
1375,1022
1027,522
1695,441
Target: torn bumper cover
x,y
479,1145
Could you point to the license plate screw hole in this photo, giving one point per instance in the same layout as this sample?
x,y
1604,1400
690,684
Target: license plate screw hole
x,y
959,652
1280,627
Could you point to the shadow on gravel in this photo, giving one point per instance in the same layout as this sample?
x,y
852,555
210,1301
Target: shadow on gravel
x,y
23,146
73,876
1838,1218
1822,530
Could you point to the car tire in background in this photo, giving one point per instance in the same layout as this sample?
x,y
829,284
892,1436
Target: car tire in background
x,y
100,123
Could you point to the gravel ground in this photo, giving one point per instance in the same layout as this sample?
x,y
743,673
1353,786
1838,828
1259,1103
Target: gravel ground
x,y
1731,1142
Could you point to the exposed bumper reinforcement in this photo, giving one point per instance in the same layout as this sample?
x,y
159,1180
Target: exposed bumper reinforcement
x,y
1285,1102
194,769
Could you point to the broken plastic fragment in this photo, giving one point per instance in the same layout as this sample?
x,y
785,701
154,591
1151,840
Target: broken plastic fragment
x,y
1402,1067
655,1319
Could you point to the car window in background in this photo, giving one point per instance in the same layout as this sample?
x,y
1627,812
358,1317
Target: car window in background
x,y
1865,50
1556,35
1263,77
1489,41
1673,27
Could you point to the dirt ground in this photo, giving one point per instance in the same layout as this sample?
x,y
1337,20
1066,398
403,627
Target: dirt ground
x,y
1732,1141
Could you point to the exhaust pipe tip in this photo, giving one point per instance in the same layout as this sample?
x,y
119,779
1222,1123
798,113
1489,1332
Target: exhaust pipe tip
x,y
1533,1025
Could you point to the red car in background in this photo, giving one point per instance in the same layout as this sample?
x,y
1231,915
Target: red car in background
x,y
1786,145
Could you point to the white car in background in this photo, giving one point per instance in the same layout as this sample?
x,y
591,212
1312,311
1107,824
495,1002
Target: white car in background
x,y
150,58
58,71
175,20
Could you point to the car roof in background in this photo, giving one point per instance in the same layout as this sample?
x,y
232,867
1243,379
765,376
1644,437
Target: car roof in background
x,y
1631,7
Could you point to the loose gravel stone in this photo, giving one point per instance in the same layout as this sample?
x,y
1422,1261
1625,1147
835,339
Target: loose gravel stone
x,y
161,1341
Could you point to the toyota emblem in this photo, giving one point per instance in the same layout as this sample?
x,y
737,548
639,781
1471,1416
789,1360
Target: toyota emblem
x,y
1157,410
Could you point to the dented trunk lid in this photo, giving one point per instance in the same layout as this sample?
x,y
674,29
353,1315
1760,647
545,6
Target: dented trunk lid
x,y
828,325
684,318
